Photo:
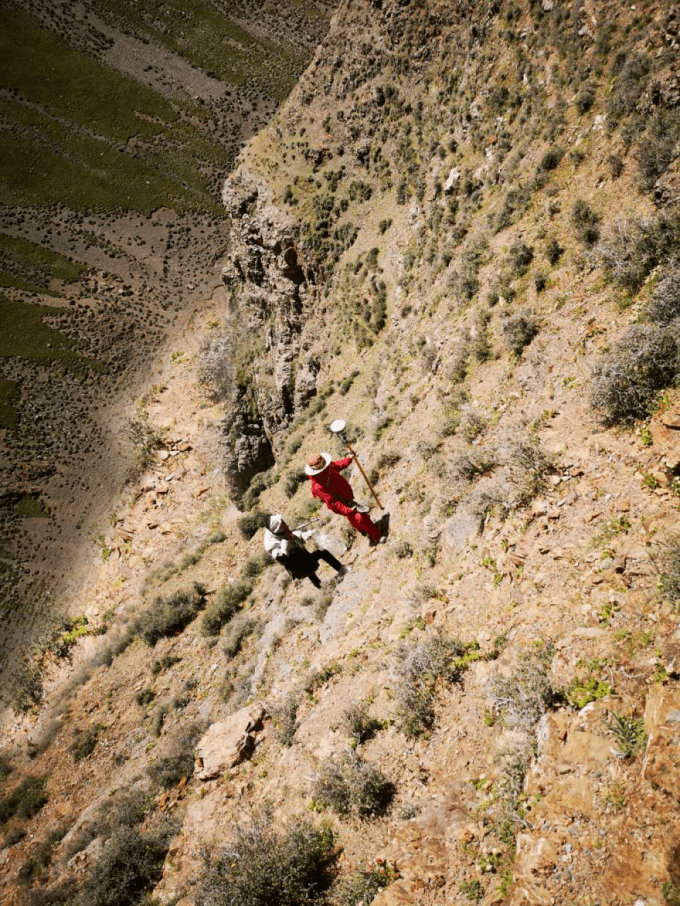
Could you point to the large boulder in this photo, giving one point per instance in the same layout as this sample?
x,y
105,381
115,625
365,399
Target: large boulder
x,y
230,741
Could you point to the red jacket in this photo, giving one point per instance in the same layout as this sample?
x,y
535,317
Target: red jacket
x,y
332,488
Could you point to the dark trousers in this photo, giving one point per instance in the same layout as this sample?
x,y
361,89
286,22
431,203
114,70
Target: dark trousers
x,y
328,558
303,564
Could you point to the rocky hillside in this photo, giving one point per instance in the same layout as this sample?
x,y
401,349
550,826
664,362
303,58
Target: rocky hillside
x,y
119,125
460,233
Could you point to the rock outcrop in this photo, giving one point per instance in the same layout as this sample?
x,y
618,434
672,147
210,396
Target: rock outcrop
x,y
272,288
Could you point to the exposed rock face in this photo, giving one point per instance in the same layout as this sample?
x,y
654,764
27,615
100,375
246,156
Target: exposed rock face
x,y
273,288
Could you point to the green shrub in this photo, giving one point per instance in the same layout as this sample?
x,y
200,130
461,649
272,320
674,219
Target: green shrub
x,y
665,305
635,245
585,99
658,147
629,733
553,250
131,863
225,605
249,524
402,550
168,616
551,159
178,760
85,742
285,720
145,696
261,867
626,382
292,482
25,801
630,82
255,566
351,786
586,222
519,330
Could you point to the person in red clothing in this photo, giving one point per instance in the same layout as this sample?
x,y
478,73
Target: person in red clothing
x,y
336,492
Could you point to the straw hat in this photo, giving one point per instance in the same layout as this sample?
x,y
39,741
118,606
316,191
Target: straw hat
x,y
317,464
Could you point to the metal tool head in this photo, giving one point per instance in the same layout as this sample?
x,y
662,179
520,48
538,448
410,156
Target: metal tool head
x,y
338,426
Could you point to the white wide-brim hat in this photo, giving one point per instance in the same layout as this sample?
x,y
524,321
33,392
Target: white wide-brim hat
x,y
275,522
326,462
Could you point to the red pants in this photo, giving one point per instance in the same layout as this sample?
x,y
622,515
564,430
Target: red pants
x,y
362,523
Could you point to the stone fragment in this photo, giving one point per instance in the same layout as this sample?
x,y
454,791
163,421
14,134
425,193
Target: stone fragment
x,y
230,741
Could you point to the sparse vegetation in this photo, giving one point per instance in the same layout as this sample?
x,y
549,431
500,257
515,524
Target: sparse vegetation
x,y
225,605
131,863
263,867
519,330
177,761
670,575
586,222
85,742
361,887
420,667
521,697
170,615
626,382
285,720
357,722
352,786
25,800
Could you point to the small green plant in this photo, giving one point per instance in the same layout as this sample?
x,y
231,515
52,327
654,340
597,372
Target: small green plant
x,y
646,436
629,733
472,890
615,797
581,692
506,882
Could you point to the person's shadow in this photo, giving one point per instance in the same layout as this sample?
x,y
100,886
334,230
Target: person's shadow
x,y
384,524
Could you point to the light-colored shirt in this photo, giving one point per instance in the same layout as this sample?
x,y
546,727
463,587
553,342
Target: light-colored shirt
x,y
277,546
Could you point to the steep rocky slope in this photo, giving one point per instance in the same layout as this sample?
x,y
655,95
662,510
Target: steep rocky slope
x,y
461,234
119,125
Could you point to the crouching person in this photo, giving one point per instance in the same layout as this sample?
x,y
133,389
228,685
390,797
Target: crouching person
x,y
288,549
